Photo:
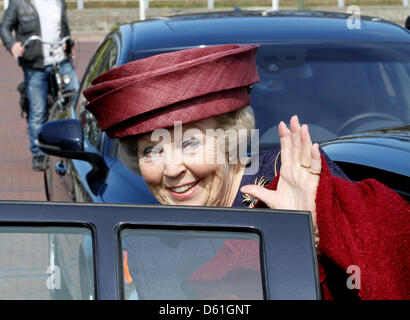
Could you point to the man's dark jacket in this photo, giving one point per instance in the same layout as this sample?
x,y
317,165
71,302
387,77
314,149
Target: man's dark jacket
x,y
22,17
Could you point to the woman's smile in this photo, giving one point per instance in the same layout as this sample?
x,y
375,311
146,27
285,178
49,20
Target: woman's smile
x,y
184,191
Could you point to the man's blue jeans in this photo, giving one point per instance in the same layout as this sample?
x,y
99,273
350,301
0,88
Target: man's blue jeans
x,y
36,82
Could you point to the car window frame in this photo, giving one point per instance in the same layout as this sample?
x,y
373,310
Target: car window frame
x,y
270,224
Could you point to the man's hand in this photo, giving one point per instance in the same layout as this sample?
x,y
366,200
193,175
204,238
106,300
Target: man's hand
x,y
72,53
17,50
72,49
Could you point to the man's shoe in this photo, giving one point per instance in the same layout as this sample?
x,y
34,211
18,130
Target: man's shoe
x,y
38,163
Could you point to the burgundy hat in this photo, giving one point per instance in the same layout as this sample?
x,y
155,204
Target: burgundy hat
x,y
187,85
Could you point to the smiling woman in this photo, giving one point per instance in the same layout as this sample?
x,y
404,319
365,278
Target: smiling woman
x,y
206,154
179,118
178,171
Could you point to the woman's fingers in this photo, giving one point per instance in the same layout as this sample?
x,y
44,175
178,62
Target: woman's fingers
x,y
315,162
306,146
285,143
295,135
265,195
296,143
300,170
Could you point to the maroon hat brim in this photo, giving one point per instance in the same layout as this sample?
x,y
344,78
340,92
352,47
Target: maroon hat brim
x,y
187,85
188,111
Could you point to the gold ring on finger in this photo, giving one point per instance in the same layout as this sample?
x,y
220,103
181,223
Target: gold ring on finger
x,y
314,172
305,166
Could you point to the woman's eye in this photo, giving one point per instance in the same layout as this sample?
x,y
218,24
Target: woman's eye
x,y
151,151
190,143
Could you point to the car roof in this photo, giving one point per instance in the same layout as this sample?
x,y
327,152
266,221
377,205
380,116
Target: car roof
x,y
258,27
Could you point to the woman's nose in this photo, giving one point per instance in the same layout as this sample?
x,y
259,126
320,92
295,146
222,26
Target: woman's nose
x,y
174,165
173,170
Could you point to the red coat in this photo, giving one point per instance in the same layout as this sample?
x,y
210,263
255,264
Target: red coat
x,y
363,224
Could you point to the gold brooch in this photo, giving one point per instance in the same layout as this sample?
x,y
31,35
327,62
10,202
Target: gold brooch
x,y
249,200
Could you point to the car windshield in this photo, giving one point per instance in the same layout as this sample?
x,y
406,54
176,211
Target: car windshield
x,y
337,88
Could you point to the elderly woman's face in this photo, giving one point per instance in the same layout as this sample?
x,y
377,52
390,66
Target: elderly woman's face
x,y
187,166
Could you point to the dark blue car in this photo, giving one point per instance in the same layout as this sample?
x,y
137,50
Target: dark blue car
x,y
351,85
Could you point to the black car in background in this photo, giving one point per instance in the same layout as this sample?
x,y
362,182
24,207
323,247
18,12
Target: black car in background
x,y
341,81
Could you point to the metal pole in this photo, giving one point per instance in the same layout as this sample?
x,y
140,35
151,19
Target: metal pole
x,y
146,4
405,3
6,4
275,5
211,4
301,5
341,3
142,9
80,4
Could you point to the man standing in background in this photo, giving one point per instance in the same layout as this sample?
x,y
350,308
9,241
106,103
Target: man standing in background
x,y
48,20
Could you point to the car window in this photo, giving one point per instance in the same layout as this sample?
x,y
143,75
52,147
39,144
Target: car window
x,y
104,60
191,264
46,263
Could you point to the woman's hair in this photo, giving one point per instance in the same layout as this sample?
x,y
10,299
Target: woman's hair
x,y
242,120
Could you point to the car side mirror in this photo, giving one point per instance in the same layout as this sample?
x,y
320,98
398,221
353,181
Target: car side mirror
x,y
65,138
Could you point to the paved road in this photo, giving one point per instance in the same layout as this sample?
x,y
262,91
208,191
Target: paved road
x,y
17,180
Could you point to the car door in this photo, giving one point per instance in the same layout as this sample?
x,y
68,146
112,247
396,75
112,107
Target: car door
x,y
99,251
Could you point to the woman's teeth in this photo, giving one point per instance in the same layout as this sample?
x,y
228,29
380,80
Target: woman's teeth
x,y
184,188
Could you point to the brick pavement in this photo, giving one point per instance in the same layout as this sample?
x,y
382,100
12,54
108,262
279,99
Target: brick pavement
x,y
17,179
